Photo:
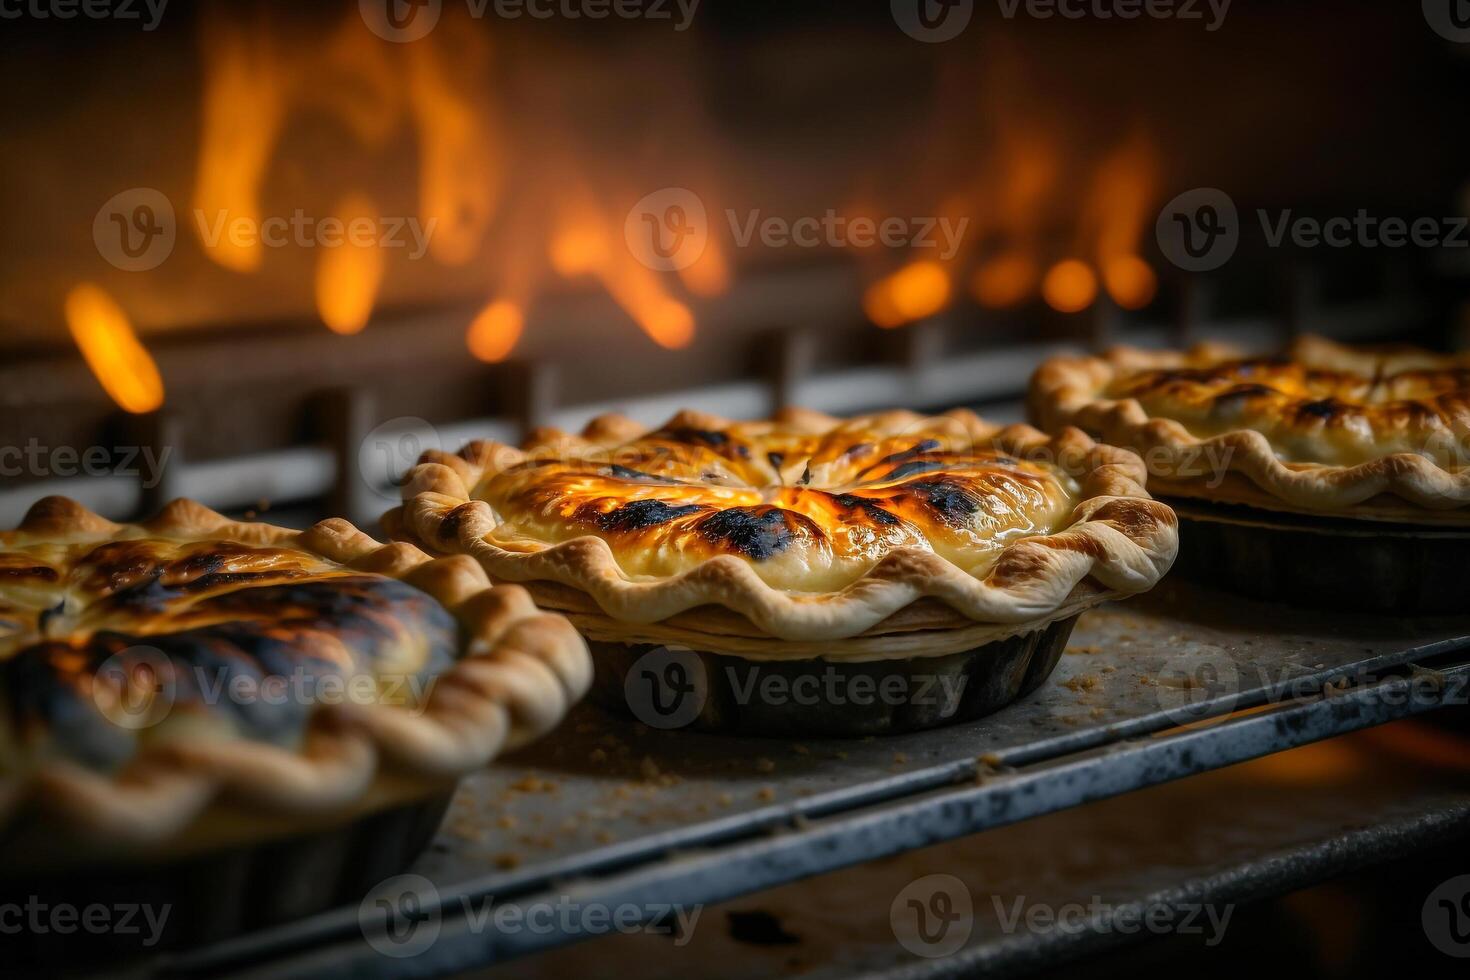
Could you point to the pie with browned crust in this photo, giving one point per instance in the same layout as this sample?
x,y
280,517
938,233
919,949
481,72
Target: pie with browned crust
x,y
1329,475
1325,429
882,537
195,682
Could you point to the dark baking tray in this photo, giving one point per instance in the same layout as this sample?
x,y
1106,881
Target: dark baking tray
x,y
611,812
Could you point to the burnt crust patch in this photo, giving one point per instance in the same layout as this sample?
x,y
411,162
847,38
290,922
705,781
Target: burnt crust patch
x,y
756,532
637,515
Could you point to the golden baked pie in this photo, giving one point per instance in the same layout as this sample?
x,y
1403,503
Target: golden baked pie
x,y
1324,429
1329,475
193,682
879,538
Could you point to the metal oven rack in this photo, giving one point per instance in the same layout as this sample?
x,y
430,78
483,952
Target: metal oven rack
x,y
1180,682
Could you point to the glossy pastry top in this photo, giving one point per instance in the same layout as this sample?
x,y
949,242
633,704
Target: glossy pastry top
x,y
810,511
108,644
1320,404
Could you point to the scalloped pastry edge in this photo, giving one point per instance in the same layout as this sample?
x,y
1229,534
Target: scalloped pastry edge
x,y
1118,536
521,671
1065,391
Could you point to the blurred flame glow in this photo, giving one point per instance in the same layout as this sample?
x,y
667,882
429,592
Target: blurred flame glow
x,y
459,175
1070,286
1130,281
918,290
1005,280
494,331
583,246
348,274
245,94
113,352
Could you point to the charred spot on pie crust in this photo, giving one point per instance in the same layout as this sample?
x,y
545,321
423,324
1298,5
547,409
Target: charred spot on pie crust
x,y
914,467
756,532
636,515
626,473
950,500
870,508
1326,409
41,573
298,636
711,438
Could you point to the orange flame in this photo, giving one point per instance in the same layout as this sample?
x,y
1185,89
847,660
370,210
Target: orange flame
x,y
918,290
1005,280
1118,211
583,245
113,352
1070,286
494,332
245,94
709,275
460,168
348,274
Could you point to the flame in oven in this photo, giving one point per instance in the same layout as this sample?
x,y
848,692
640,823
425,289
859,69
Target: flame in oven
x,y
246,88
583,245
918,290
348,274
122,365
494,332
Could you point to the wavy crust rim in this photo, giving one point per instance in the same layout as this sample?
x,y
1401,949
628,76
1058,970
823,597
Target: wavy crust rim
x,y
520,672
1066,391
1118,536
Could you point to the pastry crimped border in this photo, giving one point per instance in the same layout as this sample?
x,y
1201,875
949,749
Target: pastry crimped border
x,y
520,672
1117,535
1067,391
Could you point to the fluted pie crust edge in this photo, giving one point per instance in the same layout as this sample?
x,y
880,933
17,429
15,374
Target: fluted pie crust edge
x,y
1241,466
1118,541
521,669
